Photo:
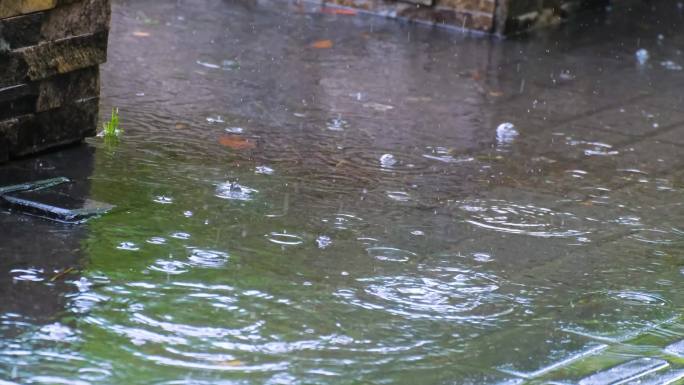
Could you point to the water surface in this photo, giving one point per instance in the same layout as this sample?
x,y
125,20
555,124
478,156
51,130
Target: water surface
x,y
408,206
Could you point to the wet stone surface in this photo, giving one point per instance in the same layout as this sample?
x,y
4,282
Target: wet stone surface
x,y
306,197
49,56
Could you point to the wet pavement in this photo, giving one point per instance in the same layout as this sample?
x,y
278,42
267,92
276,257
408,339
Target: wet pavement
x,y
305,196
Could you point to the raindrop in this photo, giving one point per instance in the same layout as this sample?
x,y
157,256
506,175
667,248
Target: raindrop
x,y
129,246
163,200
170,267
235,191
337,124
566,75
235,130
157,240
482,257
208,65
399,196
217,119
378,106
264,170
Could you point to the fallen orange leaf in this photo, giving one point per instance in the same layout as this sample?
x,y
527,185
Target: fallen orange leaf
x,y
141,34
236,142
322,44
338,11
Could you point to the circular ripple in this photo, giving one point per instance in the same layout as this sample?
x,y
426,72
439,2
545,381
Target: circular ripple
x,y
390,254
170,267
285,239
207,258
507,217
235,191
439,294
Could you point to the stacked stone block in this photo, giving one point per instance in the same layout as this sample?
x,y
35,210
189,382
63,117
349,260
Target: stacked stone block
x,y
50,52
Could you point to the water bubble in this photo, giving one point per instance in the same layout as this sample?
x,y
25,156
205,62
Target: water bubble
x,y
128,246
234,130
670,65
157,240
566,75
399,196
387,161
642,56
163,200
217,119
323,241
506,134
264,170
31,275
337,124
228,65
378,106
170,267
482,257
208,65
235,191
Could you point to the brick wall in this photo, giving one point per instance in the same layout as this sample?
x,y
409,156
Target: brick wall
x,y
50,51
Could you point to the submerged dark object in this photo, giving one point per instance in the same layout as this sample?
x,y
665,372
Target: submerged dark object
x,y
47,199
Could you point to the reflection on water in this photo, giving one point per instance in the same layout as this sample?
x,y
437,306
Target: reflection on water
x,y
410,206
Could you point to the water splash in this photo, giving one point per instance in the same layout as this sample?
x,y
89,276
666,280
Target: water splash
x,y
235,191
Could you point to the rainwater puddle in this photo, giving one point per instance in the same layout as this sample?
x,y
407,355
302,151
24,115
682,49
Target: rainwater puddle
x,y
411,205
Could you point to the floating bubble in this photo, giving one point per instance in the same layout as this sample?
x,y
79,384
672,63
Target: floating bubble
x,y
506,134
387,161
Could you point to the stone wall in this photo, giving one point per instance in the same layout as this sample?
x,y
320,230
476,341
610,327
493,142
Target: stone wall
x,y
501,17
50,51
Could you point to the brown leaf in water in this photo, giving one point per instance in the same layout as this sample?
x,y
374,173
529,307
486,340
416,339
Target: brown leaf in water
x,y
62,274
338,11
236,142
182,126
476,75
322,44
